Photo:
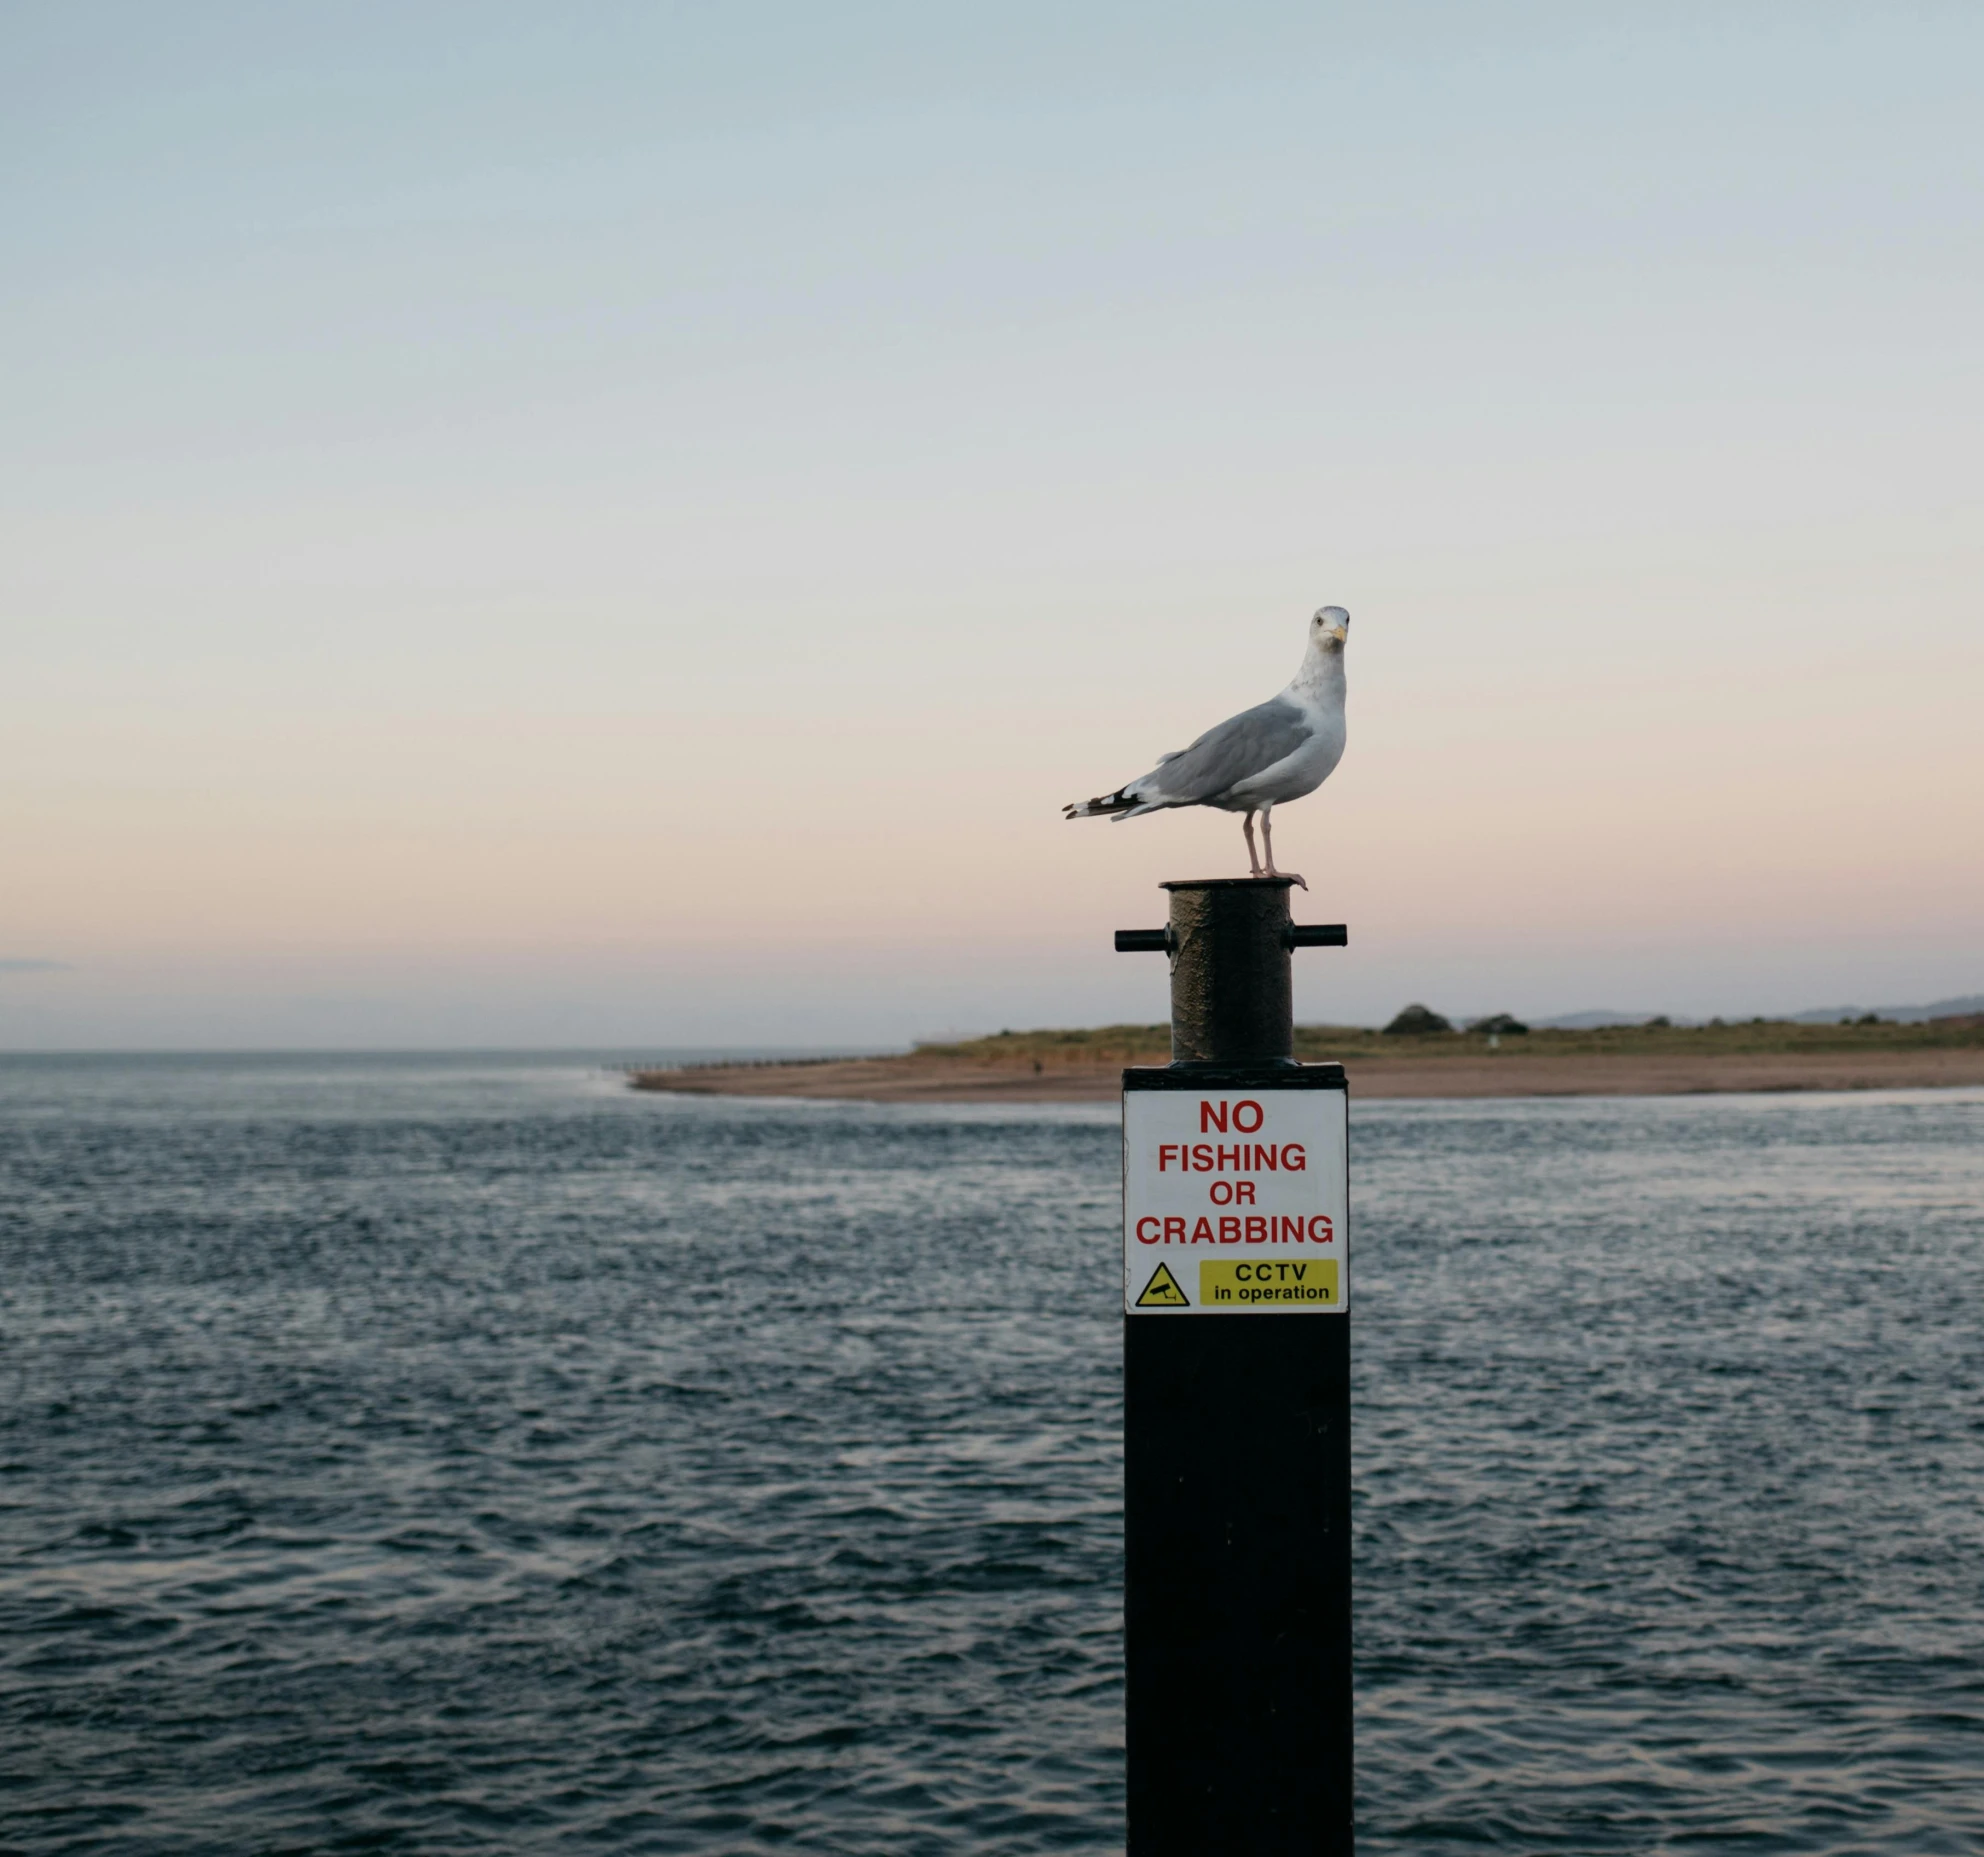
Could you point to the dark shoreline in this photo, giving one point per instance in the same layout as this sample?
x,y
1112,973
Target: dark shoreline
x,y
1459,1069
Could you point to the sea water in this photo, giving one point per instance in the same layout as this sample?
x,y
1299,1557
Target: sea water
x,y
472,1455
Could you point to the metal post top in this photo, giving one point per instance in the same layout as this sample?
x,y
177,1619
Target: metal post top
x,y
1229,883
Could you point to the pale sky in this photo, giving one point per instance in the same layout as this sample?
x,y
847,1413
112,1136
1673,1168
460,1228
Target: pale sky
x,y
622,525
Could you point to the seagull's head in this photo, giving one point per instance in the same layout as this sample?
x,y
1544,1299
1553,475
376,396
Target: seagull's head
x,y
1330,628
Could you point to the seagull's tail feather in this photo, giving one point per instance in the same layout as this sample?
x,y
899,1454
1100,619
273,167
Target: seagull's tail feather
x,y
1122,804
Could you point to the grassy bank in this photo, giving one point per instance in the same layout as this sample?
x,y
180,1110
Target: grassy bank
x,y
1627,1060
1151,1044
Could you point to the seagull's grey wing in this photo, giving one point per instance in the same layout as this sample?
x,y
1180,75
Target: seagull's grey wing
x,y
1241,745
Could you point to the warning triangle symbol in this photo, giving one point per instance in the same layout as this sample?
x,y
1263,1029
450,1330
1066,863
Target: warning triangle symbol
x,y
1162,1291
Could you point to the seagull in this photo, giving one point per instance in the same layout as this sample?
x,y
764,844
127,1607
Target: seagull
x,y
1278,750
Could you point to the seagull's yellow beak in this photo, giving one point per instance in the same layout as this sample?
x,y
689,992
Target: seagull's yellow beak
x,y
1339,635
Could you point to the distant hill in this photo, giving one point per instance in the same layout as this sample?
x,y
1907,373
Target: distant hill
x,y
1600,1017
1902,1015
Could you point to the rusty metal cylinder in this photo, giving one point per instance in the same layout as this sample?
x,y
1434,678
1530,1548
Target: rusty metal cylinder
x,y
1232,986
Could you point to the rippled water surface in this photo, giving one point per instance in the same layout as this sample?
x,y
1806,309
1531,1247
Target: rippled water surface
x,y
473,1456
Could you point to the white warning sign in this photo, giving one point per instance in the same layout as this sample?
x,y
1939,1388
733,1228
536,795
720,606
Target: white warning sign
x,y
1236,1201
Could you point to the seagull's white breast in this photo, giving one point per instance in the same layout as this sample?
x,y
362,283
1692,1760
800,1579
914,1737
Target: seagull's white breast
x,y
1301,772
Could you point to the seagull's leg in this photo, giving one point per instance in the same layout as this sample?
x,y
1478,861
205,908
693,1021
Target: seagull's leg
x,y
1253,856
1267,834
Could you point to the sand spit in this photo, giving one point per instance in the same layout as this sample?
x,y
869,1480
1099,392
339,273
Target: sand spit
x,y
1632,1061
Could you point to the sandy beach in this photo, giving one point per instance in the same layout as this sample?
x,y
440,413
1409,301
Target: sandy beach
x,y
1456,1068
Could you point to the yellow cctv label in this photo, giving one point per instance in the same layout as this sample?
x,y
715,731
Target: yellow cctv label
x,y
1254,1282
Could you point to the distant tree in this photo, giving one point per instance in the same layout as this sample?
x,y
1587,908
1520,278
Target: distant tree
x,y
1418,1022
1659,1021
1500,1025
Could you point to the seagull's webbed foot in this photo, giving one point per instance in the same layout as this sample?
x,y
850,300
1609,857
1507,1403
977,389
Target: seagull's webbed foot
x,y
1299,882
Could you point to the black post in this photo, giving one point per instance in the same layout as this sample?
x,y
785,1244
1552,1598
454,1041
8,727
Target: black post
x,y
1236,1426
